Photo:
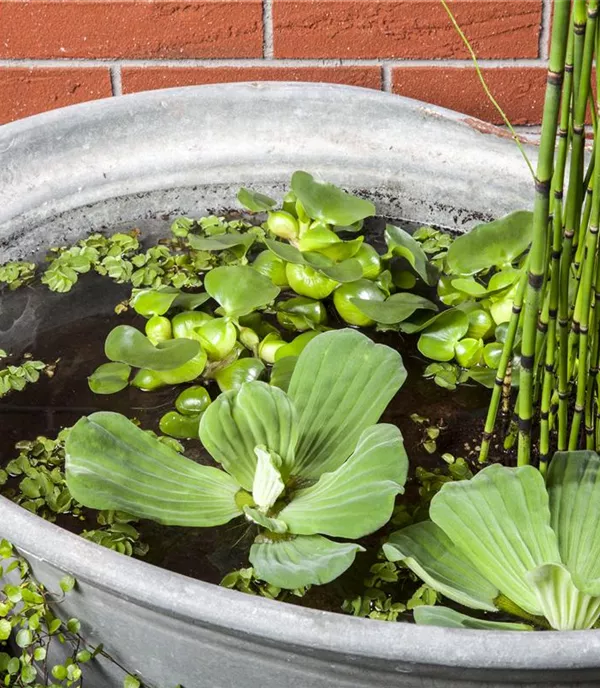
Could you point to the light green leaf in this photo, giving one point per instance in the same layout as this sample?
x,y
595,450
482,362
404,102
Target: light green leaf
x,y
235,375
303,560
149,302
5,629
342,250
239,289
326,202
430,554
495,243
254,201
500,520
125,344
275,525
358,498
238,421
220,242
268,484
574,489
179,426
441,336
340,386
401,243
346,271
395,309
113,464
109,378
282,371
426,615
565,607
469,286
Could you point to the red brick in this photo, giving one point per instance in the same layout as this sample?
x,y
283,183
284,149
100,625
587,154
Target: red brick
x,y
518,90
405,28
147,78
29,91
128,28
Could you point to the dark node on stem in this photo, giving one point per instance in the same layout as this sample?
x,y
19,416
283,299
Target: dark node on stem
x,y
544,415
542,326
563,396
562,134
578,408
588,430
575,327
499,381
568,68
535,281
516,309
562,322
584,329
597,294
578,29
569,233
592,12
542,187
549,368
554,409
594,371
487,436
593,229
527,362
552,313
578,130
525,426
589,190
555,78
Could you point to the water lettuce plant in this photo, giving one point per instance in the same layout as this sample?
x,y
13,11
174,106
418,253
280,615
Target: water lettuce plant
x,y
508,541
301,465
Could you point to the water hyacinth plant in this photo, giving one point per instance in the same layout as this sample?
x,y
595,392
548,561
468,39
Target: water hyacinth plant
x,y
506,541
299,466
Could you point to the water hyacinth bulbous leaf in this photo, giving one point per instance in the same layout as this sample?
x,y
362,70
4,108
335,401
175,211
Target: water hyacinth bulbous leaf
x,y
149,302
395,309
239,289
317,237
469,286
235,375
254,201
468,352
109,378
239,421
113,464
341,385
426,615
496,243
182,427
500,520
296,346
574,488
442,334
193,401
345,271
301,313
272,267
158,329
357,498
342,250
300,561
346,295
326,202
282,371
125,344
430,554
401,243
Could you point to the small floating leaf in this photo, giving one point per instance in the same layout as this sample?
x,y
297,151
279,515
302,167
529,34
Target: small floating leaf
x,y
401,243
254,201
240,289
109,378
395,309
440,337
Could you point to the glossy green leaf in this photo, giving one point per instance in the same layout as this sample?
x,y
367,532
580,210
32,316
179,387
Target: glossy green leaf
x,y
125,344
113,464
182,427
401,243
438,340
323,201
239,289
109,378
343,250
395,309
495,243
193,401
426,615
235,375
468,352
282,371
345,271
500,519
317,237
341,385
469,286
296,346
221,242
149,302
254,201
357,498
301,313
303,560
431,555
574,489
238,421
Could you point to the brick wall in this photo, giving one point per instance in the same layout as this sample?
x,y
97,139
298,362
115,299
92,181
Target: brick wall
x,y
57,52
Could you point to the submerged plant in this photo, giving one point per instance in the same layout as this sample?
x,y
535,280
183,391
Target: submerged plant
x,y
299,465
506,541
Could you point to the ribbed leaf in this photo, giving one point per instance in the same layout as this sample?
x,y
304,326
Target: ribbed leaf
x,y
449,618
501,521
565,607
238,421
303,560
358,498
341,385
574,488
428,552
113,464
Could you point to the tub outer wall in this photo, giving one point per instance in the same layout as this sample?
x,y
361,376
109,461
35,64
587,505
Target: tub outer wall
x,y
186,151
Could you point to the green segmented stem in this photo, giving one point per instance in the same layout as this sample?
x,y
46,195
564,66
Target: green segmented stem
x,y
541,212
